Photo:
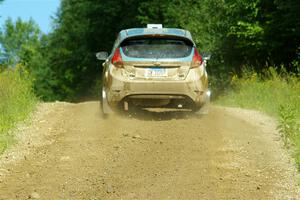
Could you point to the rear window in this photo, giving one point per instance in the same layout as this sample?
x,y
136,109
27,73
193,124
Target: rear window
x,y
157,48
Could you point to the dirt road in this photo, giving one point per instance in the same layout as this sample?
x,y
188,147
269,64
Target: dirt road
x,y
69,152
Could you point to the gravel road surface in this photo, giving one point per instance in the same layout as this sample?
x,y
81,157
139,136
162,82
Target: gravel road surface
x,y
68,152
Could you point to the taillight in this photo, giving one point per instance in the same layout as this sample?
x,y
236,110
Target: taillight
x,y
117,59
197,59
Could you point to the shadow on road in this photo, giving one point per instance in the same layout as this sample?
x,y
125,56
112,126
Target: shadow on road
x,y
156,114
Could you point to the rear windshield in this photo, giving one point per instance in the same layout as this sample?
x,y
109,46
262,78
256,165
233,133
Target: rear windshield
x,y
157,48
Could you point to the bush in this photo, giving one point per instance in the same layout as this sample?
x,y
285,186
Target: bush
x,y
264,92
288,124
17,100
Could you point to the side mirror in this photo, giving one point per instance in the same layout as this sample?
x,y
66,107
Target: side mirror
x,y
206,56
102,55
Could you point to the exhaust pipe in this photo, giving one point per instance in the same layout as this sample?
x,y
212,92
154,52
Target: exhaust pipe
x,y
126,106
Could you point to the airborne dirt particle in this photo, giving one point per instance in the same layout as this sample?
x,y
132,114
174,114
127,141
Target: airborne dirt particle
x,y
109,188
136,137
34,195
65,158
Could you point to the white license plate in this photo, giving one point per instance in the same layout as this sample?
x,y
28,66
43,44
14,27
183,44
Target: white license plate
x,y
156,72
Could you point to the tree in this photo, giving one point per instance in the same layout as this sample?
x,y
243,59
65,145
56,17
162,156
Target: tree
x,y
19,41
23,43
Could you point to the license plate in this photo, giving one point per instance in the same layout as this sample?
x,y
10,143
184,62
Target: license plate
x,y
156,72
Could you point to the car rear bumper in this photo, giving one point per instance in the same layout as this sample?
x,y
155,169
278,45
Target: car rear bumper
x,y
191,91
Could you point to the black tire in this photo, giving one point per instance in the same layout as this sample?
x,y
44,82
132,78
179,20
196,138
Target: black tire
x,y
201,110
196,108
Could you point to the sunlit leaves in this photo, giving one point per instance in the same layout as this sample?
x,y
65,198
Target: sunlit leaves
x,y
19,41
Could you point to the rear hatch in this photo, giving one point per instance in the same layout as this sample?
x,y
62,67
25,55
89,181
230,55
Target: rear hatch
x,y
156,58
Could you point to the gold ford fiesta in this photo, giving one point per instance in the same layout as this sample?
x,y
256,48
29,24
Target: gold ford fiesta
x,y
154,67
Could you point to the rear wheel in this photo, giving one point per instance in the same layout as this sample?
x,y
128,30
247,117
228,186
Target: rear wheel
x,y
203,109
103,115
103,104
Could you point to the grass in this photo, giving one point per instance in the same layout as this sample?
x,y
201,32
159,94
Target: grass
x,y
17,100
276,94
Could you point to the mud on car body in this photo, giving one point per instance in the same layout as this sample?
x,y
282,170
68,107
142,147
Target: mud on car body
x,y
153,67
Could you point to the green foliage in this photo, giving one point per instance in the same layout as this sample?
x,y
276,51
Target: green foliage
x,y
17,100
19,41
288,124
256,91
277,94
23,43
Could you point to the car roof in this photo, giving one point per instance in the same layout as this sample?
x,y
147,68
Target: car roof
x,y
134,32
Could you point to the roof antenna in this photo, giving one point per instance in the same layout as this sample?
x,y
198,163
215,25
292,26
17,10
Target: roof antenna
x,y
154,26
